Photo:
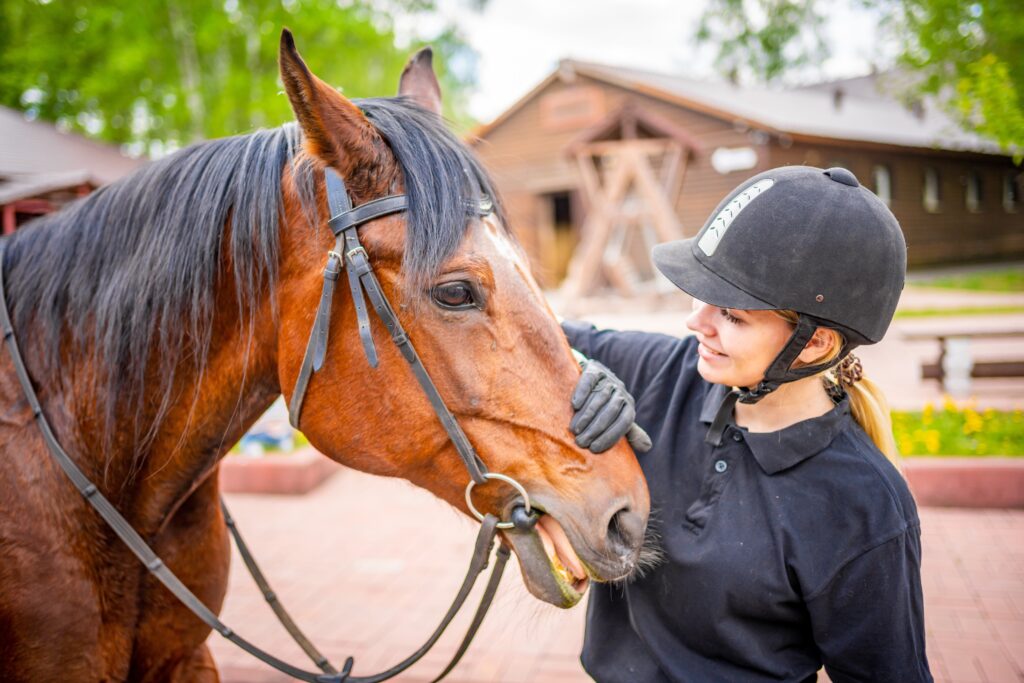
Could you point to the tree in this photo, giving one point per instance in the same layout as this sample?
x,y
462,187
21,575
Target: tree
x,y
969,55
162,73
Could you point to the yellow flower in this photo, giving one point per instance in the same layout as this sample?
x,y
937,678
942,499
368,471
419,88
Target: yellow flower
x,y
948,404
972,422
932,441
928,414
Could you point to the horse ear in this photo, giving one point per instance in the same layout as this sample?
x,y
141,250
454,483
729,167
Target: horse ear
x,y
419,82
336,130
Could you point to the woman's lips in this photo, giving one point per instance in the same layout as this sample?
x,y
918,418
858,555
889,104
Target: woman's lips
x,y
708,353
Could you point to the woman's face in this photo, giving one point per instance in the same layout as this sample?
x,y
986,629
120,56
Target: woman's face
x,y
736,346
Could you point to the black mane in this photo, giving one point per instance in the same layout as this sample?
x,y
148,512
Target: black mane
x,y
129,273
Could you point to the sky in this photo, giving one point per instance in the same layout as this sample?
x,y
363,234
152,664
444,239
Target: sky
x,y
519,42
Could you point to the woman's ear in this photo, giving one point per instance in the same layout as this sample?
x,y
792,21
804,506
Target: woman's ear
x,y
821,345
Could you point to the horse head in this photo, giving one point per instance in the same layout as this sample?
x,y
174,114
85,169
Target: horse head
x,y
463,290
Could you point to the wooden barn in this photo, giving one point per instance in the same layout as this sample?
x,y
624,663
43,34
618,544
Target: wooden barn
x,y
598,163
42,168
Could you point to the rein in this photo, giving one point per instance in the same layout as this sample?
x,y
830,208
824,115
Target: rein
x,y
348,253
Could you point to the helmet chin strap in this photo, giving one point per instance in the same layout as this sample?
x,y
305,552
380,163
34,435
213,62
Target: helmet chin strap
x,y
778,373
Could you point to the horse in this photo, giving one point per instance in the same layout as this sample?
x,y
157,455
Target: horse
x,y
164,313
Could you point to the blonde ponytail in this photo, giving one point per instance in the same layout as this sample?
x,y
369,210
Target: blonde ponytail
x,y
871,411
868,404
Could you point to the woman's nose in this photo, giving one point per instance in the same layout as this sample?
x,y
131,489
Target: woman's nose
x,y
699,320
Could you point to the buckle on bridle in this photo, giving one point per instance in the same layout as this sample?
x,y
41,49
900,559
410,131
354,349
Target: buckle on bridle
x,y
350,254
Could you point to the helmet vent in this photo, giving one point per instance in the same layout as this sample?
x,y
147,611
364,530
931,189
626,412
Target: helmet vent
x,y
708,242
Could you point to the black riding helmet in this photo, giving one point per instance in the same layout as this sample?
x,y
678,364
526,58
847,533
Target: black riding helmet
x,y
799,238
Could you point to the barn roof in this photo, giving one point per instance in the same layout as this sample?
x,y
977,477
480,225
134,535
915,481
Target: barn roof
x,y
37,155
864,109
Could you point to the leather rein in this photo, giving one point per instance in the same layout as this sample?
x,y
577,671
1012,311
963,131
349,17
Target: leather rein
x,y
348,254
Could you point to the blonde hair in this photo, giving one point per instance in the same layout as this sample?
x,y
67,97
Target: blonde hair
x,y
867,402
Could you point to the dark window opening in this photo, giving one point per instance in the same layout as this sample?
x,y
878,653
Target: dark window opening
x,y
561,206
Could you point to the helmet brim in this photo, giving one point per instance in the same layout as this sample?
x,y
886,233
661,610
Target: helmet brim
x,y
678,262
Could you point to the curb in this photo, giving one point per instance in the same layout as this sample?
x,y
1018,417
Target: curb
x,y
966,482
293,474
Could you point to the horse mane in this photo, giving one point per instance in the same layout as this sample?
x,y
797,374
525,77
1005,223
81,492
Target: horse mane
x,y
128,275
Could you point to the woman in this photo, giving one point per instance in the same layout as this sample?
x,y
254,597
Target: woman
x,y
790,539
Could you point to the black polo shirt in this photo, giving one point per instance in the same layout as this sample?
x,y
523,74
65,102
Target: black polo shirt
x,y
784,551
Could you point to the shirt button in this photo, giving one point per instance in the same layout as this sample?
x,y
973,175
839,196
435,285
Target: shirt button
x,y
721,466
736,436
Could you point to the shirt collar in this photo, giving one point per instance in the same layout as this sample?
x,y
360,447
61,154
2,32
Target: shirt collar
x,y
780,450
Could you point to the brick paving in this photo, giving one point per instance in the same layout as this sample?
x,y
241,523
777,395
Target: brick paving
x,y
367,566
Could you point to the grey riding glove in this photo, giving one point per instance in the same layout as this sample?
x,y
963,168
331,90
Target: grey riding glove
x,y
604,411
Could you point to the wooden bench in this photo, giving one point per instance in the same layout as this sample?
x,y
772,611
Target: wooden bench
x,y
956,366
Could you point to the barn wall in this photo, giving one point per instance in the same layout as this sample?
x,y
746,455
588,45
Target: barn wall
x,y
951,234
527,156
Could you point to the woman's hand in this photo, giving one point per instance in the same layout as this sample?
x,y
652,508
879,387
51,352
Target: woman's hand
x,y
604,411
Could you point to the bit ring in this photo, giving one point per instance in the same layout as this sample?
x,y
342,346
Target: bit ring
x,y
500,477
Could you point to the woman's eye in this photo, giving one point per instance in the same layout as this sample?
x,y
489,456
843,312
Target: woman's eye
x,y
454,295
729,316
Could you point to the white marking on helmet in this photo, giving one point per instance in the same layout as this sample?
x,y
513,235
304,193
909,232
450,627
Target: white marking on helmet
x,y
708,242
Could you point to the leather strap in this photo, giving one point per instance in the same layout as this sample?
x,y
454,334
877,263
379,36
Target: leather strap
x,y
345,219
359,264
316,347
353,248
780,370
271,597
344,222
501,559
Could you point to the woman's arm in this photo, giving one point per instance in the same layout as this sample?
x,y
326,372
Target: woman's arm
x,y
868,621
635,357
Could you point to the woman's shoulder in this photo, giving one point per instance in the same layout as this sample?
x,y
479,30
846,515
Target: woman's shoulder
x,y
845,501
855,455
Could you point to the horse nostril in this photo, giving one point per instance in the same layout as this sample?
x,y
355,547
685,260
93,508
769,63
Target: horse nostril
x,y
625,531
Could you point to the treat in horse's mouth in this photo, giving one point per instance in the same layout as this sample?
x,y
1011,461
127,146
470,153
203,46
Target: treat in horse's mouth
x,y
563,558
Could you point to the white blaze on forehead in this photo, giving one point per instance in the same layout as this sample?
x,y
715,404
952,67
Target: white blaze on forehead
x,y
509,251
501,242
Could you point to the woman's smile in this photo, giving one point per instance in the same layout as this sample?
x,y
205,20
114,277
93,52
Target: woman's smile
x,y
709,354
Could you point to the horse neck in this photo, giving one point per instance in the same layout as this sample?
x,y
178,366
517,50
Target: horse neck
x,y
210,409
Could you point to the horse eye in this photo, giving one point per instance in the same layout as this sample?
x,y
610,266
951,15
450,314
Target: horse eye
x,y
454,295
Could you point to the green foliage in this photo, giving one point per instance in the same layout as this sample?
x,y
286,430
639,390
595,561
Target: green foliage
x,y
163,73
765,36
970,55
1003,280
954,429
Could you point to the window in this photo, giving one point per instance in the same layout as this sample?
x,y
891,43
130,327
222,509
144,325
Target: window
x,y
972,192
882,183
932,194
1011,192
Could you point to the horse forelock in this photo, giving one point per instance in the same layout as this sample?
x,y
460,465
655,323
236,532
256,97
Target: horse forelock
x,y
127,277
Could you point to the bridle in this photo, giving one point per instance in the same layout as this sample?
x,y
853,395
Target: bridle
x,y
348,254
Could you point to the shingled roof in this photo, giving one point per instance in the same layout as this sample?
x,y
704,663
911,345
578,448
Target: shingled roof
x,y
864,109
36,157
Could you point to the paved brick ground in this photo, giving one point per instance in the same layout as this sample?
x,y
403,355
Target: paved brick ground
x,y
367,565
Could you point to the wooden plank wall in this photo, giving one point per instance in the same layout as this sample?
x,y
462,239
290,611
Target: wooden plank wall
x,y
527,159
